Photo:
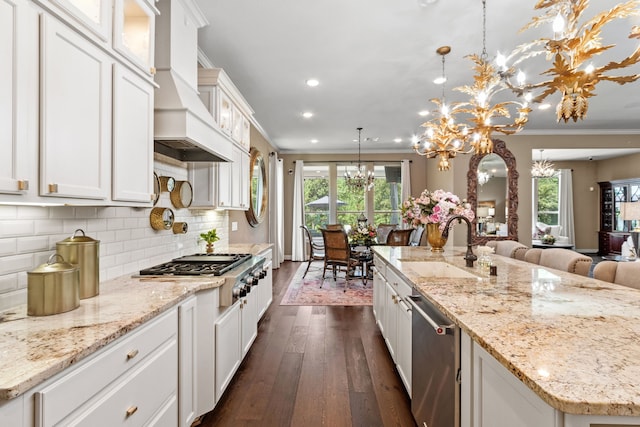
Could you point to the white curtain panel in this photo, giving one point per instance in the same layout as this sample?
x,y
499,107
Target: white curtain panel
x,y
276,202
297,239
405,176
565,197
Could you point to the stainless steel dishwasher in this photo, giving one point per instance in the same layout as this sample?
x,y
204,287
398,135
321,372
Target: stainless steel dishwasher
x,y
435,366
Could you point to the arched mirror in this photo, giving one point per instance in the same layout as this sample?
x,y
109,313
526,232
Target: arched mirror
x,y
492,190
257,189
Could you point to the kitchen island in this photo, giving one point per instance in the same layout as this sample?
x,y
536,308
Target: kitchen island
x,y
571,340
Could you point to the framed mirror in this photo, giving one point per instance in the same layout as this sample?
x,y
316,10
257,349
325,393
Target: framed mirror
x,y
492,191
257,188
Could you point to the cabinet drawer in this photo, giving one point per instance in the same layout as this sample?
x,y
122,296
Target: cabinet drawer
x,y
380,265
402,288
137,397
73,387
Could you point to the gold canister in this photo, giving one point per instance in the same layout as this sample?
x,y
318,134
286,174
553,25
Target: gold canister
x,y
53,287
84,252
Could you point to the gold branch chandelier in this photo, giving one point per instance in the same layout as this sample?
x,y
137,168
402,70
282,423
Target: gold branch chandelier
x,y
443,137
571,51
489,118
542,168
362,178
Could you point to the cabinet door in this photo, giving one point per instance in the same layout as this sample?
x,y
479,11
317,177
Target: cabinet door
x,y
228,347
18,95
132,137
75,117
225,113
236,132
403,353
379,298
265,289
93,15
249,319
240,179
391,320
224,185
204,181
187,362
134,30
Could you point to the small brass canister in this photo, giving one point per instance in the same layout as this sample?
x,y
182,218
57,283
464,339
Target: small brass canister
x,y
53,287
84,252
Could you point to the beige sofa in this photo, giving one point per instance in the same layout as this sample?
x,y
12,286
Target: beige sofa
x,y
560,259
621,273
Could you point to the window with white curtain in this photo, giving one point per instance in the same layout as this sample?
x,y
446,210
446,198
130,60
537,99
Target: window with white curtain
x,y
328,199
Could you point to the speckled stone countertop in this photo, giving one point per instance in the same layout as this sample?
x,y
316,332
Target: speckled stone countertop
x,y
574,341
245,248
33,349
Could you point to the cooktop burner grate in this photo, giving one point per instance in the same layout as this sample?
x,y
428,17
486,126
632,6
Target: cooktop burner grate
x,y
197,264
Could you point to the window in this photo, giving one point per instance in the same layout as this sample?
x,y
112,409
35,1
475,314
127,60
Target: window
x,y
546,204
329,200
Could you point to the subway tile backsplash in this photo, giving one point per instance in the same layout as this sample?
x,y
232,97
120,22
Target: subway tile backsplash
x,y
28,236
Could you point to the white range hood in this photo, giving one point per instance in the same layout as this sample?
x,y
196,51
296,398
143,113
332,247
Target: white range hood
x,y
183,127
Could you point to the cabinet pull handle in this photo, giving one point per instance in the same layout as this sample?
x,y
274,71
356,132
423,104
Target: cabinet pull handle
x,y
131,410
132,354
23,185
53,188
152,70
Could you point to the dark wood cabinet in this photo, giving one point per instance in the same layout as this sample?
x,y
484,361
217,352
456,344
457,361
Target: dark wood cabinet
x,y
613,229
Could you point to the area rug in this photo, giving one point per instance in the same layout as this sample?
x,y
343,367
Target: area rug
x,y
307,291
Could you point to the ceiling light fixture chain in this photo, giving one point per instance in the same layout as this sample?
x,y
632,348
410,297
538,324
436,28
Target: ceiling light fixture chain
x,y
362,178
571,51
443,137
487,117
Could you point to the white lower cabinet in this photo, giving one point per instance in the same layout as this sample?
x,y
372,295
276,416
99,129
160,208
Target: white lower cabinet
x,y
188,363
249,319
393,315
207,312
118,385
228,346
75,114
265,288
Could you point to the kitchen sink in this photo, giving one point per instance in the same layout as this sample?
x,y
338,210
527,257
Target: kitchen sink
x,y
436,269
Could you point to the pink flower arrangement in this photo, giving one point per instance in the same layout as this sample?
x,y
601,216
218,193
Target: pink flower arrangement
x,y
362,235
434,208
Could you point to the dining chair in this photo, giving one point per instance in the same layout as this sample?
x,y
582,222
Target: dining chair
x,y
314,249
337,254
399,237
334,227
382,231
416,236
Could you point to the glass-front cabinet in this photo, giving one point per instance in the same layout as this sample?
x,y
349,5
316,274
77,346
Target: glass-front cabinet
x,y
134,23
614,229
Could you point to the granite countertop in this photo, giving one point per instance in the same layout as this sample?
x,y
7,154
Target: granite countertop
x,y
245,248
571,339
32,349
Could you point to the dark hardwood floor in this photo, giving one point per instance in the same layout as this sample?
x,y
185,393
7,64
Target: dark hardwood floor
x,y
314,366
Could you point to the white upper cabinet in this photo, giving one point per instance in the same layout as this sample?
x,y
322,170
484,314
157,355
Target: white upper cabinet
x,y
133,32
132,137
92,14
75,114
18,97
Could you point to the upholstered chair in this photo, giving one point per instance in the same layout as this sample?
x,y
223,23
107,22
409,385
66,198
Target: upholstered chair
x,y
399,237
560,259
621,273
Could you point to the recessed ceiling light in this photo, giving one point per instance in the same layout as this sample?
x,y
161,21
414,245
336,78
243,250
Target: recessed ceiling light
x,y
314,141
312,82
439,80
307,114
544,106
423,113
397,140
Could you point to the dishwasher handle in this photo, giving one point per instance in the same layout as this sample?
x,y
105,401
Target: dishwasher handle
x,y
439,329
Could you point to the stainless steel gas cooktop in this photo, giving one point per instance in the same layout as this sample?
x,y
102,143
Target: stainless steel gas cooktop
x,y
215,264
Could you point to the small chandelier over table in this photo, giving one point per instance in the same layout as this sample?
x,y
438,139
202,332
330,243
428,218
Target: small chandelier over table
x,y
542,168
571,51
362,178
487,83
443,137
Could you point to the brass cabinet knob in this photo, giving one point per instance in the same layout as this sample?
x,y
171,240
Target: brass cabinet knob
x,y
53,188
23,185
131,410
132,354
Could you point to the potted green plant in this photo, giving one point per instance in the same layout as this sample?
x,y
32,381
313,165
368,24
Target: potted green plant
x,y
210,237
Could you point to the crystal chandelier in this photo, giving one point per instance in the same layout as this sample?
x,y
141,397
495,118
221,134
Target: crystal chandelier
x,y
361,179
542,168
571,51
443,137
483,177
487,83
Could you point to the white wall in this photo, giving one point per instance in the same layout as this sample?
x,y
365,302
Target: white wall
x,y
28,236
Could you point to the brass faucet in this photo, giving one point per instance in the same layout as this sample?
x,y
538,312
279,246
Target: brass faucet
x,y
469,257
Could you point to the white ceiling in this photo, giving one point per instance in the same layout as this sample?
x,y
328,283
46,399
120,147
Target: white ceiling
x,y
376,60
